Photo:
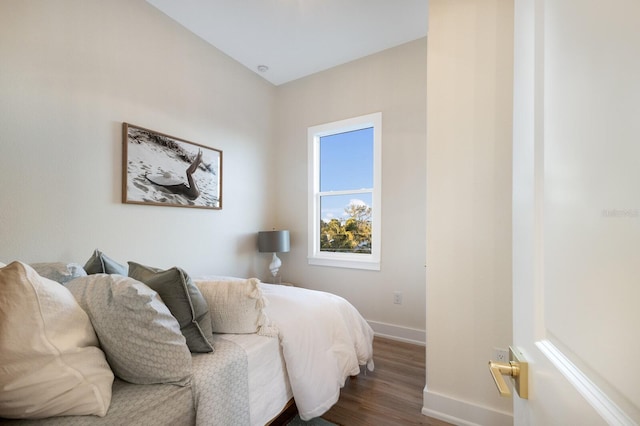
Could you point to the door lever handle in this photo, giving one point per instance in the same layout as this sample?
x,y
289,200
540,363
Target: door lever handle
x,y
516,368
497,369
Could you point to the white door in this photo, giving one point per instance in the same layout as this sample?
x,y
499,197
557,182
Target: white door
x,y
576,207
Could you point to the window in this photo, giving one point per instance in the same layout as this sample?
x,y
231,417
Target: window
x,y
344,193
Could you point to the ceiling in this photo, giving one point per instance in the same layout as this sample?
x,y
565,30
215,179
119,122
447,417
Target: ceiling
x,y
295,38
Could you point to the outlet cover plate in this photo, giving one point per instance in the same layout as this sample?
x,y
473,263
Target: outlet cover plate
x,y
501,355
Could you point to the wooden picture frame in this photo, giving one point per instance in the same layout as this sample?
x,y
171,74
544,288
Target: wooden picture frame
x,y
163,170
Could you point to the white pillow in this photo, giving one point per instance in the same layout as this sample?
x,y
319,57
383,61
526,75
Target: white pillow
x,y
2,265
51,363
236,306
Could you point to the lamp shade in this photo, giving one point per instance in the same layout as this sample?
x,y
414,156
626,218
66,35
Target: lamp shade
x,y
273,241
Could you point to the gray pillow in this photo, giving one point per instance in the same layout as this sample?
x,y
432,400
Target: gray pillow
x,y
59,271
100,263
184,300
138,334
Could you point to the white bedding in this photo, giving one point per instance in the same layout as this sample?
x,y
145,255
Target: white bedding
x,y
269,389
324,340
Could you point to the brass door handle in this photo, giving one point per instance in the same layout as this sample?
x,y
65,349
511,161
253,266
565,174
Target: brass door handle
x,y
516,368
497,370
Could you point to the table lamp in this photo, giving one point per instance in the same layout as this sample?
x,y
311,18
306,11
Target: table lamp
x,y
273,242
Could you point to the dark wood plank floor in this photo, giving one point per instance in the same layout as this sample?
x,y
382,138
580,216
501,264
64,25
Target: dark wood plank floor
x,y
391,395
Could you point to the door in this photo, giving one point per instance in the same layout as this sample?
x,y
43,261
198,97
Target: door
x,y
576,210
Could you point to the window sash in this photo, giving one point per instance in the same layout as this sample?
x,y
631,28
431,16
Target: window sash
x,y
353,193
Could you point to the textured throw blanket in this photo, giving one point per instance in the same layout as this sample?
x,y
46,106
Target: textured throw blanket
x,y
222,385
219,390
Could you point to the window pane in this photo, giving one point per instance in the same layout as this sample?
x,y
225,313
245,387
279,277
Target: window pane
x,y
345,223
346,160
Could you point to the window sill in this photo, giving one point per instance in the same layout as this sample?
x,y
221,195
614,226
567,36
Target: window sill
x,y
345,263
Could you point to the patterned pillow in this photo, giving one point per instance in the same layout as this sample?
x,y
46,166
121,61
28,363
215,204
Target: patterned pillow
x,y
140,337
184,300
50,361
100,263
236,306
59,272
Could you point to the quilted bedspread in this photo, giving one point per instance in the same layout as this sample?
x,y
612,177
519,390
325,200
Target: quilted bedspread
x,y
222,385
217,395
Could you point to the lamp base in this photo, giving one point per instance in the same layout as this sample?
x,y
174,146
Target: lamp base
x,y
275,264
276,279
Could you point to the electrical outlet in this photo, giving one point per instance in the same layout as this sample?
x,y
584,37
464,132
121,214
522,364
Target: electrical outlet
x,y
500,355
397,298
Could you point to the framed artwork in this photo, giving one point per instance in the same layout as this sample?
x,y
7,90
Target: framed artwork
x,y
163,170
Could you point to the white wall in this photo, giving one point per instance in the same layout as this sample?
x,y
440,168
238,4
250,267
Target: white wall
x,y
469,114
71,73
393,82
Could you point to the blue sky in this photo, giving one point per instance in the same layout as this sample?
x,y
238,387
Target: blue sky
x,y
346,163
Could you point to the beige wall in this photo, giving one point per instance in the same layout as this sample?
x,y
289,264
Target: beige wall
x,y
394,83
71,73
469,105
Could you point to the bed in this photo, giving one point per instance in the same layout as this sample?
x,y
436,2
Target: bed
x,y
301,346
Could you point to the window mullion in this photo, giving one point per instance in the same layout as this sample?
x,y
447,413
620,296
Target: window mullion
x,y
346,192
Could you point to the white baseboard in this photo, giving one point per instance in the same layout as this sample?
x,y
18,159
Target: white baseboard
x,y
436,405
395,332
462,413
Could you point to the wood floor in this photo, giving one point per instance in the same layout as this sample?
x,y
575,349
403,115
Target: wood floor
x,y
389,396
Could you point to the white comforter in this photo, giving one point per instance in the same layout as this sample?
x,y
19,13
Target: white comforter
x,y
324,340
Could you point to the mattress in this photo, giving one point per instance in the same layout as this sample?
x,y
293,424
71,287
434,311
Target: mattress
x,y
269,389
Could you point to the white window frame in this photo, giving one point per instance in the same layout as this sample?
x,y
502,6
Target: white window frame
x,y
345,260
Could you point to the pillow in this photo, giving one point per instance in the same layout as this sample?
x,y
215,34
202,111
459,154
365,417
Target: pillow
x,y
140,337
100,263
237,306
184,300
2,265
50,361
58,271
